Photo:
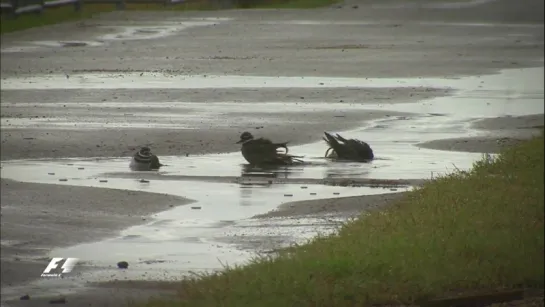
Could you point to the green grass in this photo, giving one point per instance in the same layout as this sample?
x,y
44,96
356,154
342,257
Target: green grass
x,y
67,13
468,231
51,16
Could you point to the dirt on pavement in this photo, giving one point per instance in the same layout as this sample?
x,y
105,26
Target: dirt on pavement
x,y
503,132
342,206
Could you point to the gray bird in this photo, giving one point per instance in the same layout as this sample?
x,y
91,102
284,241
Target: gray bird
x,y
144,160
264,152
351,149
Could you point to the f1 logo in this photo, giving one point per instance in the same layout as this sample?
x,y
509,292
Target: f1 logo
x,y
67,267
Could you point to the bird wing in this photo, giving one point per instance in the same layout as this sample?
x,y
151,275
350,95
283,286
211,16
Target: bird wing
x,y
260,149
266,142
362,149
263,151
262,141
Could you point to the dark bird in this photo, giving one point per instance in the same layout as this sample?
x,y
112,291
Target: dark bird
x,y
343,149
264,152
144,160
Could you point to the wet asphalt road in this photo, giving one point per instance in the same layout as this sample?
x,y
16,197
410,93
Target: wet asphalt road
x,y
373,40
376,39
370,41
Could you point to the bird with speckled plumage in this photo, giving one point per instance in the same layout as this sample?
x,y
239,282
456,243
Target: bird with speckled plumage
x,y
144,160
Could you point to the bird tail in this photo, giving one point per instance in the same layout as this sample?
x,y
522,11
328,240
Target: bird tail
x,y
341,138
332,142
283,145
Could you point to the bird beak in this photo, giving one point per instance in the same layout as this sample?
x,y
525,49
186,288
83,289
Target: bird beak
x,y
239,142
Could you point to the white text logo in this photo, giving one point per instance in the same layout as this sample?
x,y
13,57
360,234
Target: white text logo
x,y
67,267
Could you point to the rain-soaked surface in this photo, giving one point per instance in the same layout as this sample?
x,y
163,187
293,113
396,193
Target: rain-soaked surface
x,y
487,86
217,228
431,5
474,97
119,33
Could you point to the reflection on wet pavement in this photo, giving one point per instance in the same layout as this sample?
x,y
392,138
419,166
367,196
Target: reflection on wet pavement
x,y
219,225
474,97
431,5
501,85
120,33
217,228
142,32
396,158
200,236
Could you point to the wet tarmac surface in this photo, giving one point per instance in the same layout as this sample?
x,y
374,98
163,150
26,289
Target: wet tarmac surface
x,y
476,97
95,78
218,227
488,86
115,33
392,42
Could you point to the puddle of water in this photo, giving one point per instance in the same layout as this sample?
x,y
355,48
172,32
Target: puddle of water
x,y
478,24
320,22
431,5
180,253
392,140
169,81
194,239
17,49
188,237
68,43
182,239
191,239
503,83
474,97
151,32
457,5
121,33
10,242
393,22
512,92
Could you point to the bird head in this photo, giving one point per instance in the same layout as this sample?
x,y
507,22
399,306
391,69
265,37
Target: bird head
x,y
145,151
244,137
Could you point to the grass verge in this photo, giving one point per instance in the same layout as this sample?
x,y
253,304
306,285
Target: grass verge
x,y
67,13
468,231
